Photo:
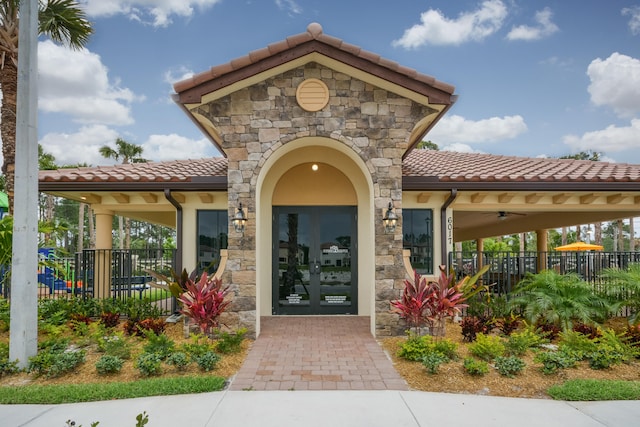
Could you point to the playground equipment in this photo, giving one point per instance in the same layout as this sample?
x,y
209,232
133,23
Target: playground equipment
x,y
56,273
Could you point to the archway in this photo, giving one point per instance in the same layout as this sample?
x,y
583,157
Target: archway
x,y
345,168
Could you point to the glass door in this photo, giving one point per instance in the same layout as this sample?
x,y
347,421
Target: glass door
x,y
314,260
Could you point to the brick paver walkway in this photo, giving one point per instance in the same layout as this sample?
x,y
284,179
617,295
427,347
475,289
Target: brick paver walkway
x,y
316,353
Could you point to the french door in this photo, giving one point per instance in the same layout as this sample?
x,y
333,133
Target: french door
x,y
314,260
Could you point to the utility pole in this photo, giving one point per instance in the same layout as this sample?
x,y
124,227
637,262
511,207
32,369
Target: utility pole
x,y
23,334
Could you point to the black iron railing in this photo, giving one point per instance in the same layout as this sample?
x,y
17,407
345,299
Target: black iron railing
x,y
98,273
508,268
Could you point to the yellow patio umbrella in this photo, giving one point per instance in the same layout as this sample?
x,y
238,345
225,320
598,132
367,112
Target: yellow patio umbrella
x,y
579,246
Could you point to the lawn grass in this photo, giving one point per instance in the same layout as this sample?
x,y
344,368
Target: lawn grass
x,y
154,295
73,393
590,390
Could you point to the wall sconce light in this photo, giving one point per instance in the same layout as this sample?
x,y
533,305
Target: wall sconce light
x,y
390,219
239,220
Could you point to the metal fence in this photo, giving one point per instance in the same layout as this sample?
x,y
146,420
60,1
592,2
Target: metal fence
x,y
98,273
508,268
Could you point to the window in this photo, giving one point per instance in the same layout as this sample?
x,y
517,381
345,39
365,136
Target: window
x,y
417,230
212,236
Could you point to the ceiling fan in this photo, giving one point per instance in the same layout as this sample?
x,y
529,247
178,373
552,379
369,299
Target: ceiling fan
x,y
502,215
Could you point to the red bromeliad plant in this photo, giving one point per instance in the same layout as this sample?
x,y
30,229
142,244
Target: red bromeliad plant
x,y
204,301
428,304
414,306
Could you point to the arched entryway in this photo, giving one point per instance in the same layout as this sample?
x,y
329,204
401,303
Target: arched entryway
x,y
338,187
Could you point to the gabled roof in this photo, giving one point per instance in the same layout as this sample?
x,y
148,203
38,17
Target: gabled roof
x,y
422,170
312,46
312,40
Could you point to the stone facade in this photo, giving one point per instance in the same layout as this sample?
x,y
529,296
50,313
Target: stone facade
x,y
256,121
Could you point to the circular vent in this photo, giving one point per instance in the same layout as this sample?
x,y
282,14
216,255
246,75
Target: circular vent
x,y
312,95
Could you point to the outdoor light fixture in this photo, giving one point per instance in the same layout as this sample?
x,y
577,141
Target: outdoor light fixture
x,y
502,215
390,219
239,220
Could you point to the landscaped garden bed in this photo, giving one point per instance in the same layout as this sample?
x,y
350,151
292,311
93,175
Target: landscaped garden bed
x,y
531,382
87,341
86,372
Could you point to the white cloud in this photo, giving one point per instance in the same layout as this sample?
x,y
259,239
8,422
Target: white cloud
x,y
80,147
84,146
436,29
289,5
615,82
544,28
155,12
172,147
461,148
75,82
173,76
457,129
608,140
634,21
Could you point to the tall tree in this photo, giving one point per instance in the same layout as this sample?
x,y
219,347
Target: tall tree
x,y
63,21
129,153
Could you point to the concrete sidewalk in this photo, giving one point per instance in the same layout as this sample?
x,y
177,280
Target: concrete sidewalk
x,y
384,408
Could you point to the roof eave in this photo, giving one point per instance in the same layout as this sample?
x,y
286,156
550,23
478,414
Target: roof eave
x,y
214,183
416,183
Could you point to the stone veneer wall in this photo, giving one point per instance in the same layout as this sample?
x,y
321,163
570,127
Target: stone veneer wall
x,y
256,121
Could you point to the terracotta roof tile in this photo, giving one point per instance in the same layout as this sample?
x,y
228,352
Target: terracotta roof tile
x,y
460,167
424,165
172,171
314,32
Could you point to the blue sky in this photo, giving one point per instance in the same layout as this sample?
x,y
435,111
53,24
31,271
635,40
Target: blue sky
x,y
534,78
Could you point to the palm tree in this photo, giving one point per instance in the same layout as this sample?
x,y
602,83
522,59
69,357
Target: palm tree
x,y
61,20
624,286
129,153
560,299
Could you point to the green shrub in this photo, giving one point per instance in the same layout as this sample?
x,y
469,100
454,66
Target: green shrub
x,y
433,360
54,311
619,343
109,364
519,342
487,347
179,360
577,343
115,345
603,358
5,315
552,361
149,364
160,344
448,348
509,366
230,343
53,362
207,361
6,366
475,367
416,347
199,345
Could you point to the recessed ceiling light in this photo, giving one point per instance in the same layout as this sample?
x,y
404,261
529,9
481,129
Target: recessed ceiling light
x,y
314,167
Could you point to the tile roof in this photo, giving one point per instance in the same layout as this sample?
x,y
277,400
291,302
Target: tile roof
x,y
451,167
176,171
423,167
314,33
